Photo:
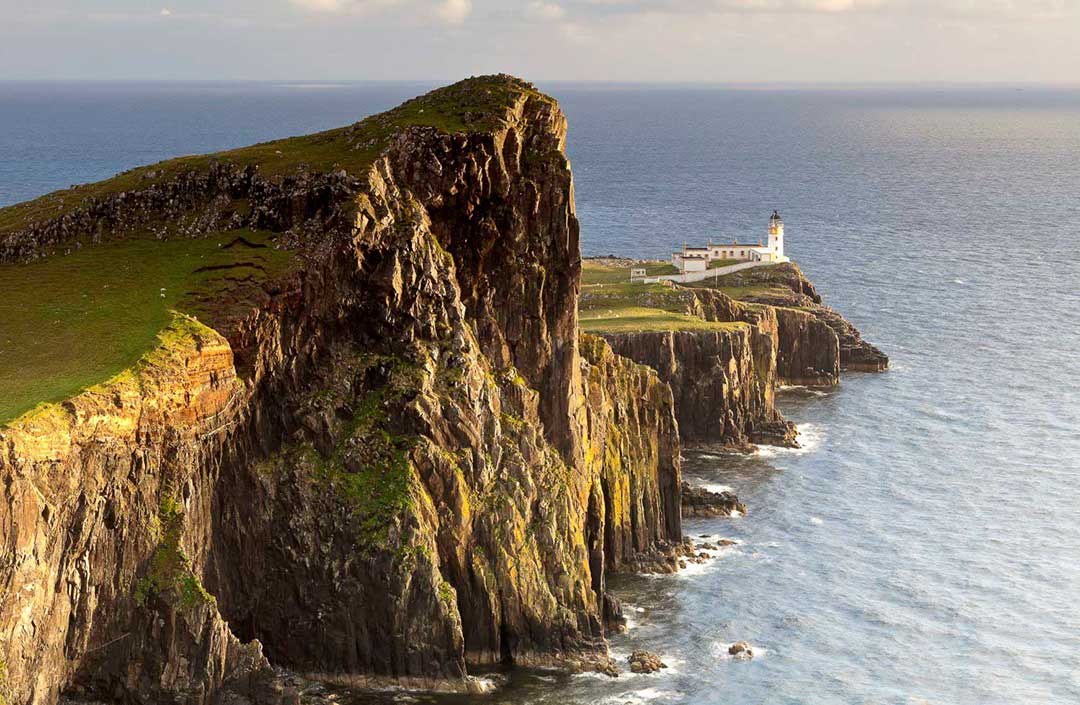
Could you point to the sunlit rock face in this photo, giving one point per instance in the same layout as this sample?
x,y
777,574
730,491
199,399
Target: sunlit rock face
x,y
391,465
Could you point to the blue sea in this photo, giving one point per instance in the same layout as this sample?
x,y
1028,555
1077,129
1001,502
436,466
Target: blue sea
x,y
923,547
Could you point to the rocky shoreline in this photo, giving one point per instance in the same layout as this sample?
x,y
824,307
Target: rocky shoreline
x,y
397,464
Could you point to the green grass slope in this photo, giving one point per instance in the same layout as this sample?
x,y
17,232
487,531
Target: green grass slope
x,y
610,303
72,322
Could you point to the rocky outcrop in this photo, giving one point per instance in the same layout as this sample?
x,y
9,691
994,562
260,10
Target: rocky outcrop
x,y
394,468
700,502
223,196
645,662
785,287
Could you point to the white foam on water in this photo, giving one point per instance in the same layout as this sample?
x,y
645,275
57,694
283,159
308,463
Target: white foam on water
x,y
959,281
713,455
639,697
802,388
810,438
694,569
483,685
817,521
719,488
735,514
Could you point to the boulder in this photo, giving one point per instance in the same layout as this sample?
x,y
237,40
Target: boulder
x,y
741,650
645,662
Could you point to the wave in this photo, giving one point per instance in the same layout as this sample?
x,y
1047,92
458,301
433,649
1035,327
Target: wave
x,y
718,489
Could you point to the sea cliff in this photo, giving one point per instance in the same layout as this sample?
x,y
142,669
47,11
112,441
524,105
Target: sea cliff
x,y
390,460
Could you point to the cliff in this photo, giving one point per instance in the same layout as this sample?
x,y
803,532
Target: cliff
x,y
386,462
726,345
785,288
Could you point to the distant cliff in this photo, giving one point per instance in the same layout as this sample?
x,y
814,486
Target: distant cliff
x,y
724,357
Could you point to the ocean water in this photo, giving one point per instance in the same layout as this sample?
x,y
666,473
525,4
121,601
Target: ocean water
x,y
924,545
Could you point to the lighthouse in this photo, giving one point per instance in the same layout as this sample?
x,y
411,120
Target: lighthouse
x,y
776,236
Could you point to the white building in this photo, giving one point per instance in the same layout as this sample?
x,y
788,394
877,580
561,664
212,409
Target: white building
x,y
697,259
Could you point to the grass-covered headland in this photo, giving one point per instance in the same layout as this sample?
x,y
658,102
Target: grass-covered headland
x,y
88,311
472,105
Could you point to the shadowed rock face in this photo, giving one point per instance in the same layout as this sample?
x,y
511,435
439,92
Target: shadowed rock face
x,y
395,466
723,382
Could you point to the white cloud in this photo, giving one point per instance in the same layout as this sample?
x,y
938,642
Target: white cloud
x,y
449,11
541,10
320,5
454,11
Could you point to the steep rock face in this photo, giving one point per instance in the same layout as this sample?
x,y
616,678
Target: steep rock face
x,y
723,381
81,529
633,450
808,349
414,470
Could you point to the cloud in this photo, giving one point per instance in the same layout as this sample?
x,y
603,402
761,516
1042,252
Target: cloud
x,y
449,11
454,11
541,10
320,5
1022,9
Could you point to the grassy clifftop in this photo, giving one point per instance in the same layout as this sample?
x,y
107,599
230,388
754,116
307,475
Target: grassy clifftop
x,y
72,321
473,105
611,303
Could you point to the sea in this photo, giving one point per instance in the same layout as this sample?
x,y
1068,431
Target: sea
x,y
923,545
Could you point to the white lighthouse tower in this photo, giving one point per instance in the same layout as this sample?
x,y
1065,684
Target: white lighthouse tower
x,y
776,236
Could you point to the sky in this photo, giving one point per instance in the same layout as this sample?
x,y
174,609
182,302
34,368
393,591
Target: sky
x,y
714,41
